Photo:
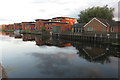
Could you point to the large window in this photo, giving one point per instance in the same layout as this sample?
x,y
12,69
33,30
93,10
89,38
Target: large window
x,y
90,29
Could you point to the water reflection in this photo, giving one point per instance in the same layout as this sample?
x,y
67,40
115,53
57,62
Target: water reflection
x,y
97,52
46,57
91,52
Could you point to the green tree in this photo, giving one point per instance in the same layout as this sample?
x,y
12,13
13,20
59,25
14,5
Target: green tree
x,y
98,12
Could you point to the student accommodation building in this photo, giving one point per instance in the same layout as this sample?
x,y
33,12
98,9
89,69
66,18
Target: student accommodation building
x,y
28,26
40,23
56,24
17,26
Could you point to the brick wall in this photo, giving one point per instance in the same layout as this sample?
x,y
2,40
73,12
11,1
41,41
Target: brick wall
x,y
97,26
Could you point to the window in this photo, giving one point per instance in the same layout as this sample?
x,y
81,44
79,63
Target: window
x,y
90,29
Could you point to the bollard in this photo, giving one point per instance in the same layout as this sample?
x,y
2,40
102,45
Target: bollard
x,y
108,35
95,35
116,36
101,35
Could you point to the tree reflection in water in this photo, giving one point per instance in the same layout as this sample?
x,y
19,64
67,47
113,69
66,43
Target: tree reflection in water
x,y
92,52
99,53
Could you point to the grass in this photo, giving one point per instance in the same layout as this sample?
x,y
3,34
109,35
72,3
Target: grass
x,y
7,30
116,44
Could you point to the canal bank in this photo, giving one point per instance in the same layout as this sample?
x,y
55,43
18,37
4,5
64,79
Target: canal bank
x,y
28,32
112,38
90,36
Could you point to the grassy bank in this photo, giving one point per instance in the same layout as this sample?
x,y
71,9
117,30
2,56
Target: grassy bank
x,y
30,32
7,30
116,44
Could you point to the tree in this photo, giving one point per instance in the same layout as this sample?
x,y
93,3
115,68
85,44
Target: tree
x,y
98,12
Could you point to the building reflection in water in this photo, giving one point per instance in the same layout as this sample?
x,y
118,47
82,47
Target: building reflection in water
x,y
97,52
93,52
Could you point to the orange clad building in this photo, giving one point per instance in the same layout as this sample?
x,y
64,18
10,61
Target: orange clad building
x,y
56,24
68,20
2,27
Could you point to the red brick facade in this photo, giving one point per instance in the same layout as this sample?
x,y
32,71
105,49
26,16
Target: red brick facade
x,y
2,27
40,23
9,27
63,26
30,26
116,28
17,26
97,25
64,22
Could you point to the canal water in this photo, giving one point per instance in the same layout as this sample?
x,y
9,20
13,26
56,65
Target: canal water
x,y
35,56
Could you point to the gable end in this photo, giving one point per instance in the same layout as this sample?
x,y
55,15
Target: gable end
x,y
96,20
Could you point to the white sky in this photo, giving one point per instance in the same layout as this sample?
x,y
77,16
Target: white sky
x,y
14,11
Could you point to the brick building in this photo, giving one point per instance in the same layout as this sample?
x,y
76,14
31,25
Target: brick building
x,y
29,26
57,26
2,27
102,25
10,27
17,26
40,23
68,20
115,26
78,27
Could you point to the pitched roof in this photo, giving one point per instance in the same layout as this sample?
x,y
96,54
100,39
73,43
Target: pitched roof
x,y
115,23
111,24
78,25
106,22
99,20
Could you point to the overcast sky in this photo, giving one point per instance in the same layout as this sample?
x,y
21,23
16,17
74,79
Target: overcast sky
x,y
15,11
